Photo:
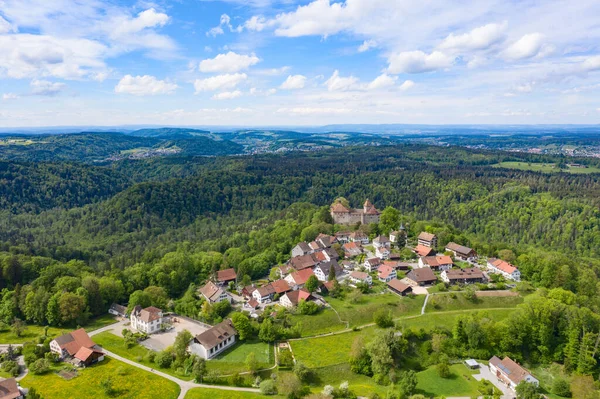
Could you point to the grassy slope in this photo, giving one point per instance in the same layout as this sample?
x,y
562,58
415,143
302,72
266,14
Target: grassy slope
x,y
204,393
130,382
324,322
446,302
544,167
430,321
431,384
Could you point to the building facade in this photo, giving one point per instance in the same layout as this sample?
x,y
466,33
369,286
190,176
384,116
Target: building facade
x,y
343,215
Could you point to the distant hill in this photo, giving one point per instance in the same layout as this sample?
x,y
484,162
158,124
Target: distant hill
x,y
168,132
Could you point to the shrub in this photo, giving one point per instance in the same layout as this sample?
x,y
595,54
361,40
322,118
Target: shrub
x,y
267,387
164,359
11,367
150,356
40,366
561,387
383,318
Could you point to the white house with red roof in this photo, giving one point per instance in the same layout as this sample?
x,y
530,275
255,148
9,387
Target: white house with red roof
x,y
510,372
77,345
386,273
504,268
146,320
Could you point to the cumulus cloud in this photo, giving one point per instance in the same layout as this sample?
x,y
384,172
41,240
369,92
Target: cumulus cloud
x,y
219,82
338,83
257,23
144,86
528,46
5,26
45,87
382,81
227,95
258,92
9,96
293,82
146,19
271,71
230,62
224,22
367,45
406,85
418,62
478,39
592,63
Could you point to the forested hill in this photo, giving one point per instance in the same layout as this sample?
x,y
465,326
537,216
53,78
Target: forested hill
x,y
102,147
227,197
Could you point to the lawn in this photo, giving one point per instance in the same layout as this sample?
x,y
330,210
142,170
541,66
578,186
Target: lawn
x,y
130,382
234,359
430,321
204,393
544,167
32,331
457,301
431,384
361,385
358,314
323,322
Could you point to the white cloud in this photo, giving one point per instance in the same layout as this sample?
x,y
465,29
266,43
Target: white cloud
x,y
271,71
406,85
293,82
227,95
367,45
525,88
9,96
145,19
45,88
224,22
477,39
418,61
5,26
592,63
219,82
144,86
230,62
216,31
528,46
338,83
258,92
307,111
257,23
382,81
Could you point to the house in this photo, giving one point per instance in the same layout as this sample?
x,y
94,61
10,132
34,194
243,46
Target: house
x,y
360,277
343,215
394,236
422,250
146,320
463,276
326,240
436,263
381,242
510,372
213,293
352,249
9,389
396,264
118,310
382,252
214,340
78,346
504,268
330,254
303,262
347,265
422,276
327,286
297,279
461,252
398,287
226,276
342,236
247,291
284,270
322,271
292,298
301,249
372,264
386,273
427,239
359,236
281,286
264,294
316,245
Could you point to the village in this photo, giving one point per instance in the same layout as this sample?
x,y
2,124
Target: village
x,y
316,270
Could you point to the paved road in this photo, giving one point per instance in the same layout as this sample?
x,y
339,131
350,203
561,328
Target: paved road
x,y
118,326
425,304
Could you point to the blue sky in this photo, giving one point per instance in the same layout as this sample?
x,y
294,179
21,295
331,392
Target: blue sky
x,y
269,62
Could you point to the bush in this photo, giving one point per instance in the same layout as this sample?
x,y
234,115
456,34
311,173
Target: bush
x,y
11,367
40,366
441,287
308,308
267,387
164,359
561,387
236,380
383,318
150,357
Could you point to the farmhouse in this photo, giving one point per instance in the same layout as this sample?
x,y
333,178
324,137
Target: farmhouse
x,y
360,277
293,298
396,264
213,293
226,276
214,340
322,271
372,264
381,242
303,262
422,276
504,268
510,372
281,286
342,215
342,236
264,293
146,320
300,249
325,240
461,252
386,273
382,252
352,249
78,346
9,389
463,276
437,263
359,236
118,310
297,280
422,250
398,287
427,239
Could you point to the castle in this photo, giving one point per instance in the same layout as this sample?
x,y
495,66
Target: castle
x,y
342,215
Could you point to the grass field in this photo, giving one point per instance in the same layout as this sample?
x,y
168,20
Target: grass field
x,y
33,331
205,393
361,385
430,321
129,381
324,322
457,301
544,167
431,384
362,313
233,360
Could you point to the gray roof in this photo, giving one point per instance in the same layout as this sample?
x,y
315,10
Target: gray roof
x,y
217,334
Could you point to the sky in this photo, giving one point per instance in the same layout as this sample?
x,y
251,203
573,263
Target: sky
x,y
285,62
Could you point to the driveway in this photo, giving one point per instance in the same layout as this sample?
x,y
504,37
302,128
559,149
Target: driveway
x,y
486,374
160,341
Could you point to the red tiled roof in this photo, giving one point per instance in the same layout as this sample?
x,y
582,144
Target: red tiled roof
x,y
280,286
503,265
398,285
422,250
296,296
359,275
512,369
437,261
253,303
9,389
421,275
84,354
339,208
426,236
374,261
459,249
302,276
384,271
226,275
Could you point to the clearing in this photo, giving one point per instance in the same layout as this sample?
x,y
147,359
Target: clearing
x,y
544,167
459,383
457,301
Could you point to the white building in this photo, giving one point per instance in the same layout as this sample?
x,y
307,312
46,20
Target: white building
x,y
510,372
382,252
504,268
213,293
214,340
372,264
360,277
146,320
